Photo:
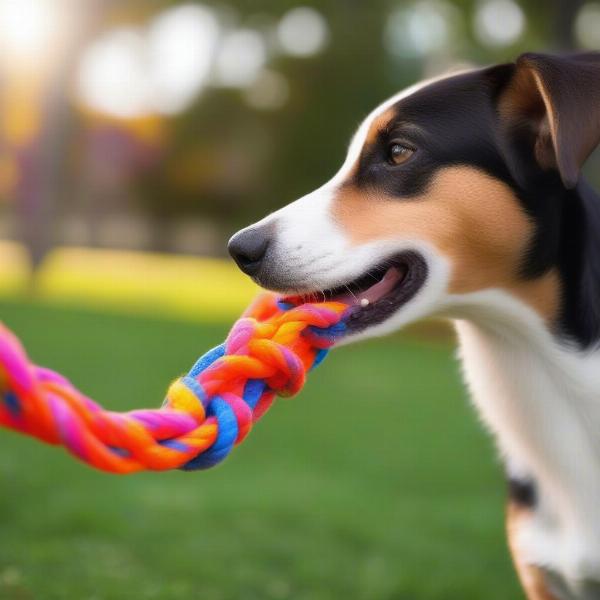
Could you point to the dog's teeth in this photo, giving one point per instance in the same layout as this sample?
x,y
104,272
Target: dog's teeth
x,y
364,302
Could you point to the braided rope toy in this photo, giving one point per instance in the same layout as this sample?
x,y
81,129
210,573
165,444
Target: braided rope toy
x,y
205,413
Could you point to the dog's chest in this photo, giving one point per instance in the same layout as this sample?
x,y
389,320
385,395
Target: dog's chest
x,y
542,403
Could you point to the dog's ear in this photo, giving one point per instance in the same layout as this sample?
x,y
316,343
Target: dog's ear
x,y
556,101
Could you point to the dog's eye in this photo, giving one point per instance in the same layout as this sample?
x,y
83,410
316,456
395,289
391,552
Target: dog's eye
x,y
398,154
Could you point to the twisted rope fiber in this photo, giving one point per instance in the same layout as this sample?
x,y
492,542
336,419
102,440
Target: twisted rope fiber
x,y
205,413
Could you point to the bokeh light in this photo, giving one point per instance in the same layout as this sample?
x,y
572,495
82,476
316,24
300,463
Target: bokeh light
x,y
113,77
181,46
425,27
27,28
270,91
499,22
162,67
587,26
303,32
240,58
129,72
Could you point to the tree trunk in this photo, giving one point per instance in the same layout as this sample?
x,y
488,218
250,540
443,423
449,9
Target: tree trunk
x,y
45,169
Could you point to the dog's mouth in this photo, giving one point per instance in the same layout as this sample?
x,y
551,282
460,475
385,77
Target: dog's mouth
x,y
378,294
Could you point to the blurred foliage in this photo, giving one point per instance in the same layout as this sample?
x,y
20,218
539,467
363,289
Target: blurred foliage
x,y
295,149
221,160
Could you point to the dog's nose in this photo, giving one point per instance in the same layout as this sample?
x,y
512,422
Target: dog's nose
x,y
248,249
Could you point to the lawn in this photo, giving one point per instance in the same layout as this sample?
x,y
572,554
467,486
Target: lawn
x,y
376,483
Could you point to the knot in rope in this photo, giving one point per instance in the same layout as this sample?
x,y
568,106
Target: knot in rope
x,y
205,413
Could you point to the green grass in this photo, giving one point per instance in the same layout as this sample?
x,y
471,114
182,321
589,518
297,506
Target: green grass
x,y
375,483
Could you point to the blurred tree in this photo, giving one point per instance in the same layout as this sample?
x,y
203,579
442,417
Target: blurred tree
x,y
45,178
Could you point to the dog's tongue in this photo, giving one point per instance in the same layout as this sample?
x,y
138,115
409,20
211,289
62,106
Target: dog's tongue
x,y
392,277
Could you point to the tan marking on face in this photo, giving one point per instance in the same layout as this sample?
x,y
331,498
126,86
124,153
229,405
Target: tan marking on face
x,y
531,578
379,124
468,216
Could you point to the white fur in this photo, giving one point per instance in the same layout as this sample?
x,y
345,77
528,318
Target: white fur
x,y
540,399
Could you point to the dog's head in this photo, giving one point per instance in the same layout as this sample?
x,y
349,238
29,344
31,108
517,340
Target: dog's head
x,y
451,190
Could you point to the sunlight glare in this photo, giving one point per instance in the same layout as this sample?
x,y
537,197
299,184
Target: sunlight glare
x,y
181,45
26,27
112,77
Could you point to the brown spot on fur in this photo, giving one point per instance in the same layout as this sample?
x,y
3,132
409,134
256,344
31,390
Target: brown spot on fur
x,y
468,216
531,578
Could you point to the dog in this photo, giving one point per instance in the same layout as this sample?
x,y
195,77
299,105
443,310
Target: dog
x,y
461,197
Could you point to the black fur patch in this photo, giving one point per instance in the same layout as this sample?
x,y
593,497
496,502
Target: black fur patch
x,y
450,122
456,121
579,265
522,492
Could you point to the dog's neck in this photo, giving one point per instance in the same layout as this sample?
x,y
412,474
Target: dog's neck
x,y
537,387
541,399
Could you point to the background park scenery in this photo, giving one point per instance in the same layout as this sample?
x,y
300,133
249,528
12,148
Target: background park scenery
x,y
135,138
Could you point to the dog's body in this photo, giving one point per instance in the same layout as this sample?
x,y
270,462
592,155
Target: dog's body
x,y
461,198
542,403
